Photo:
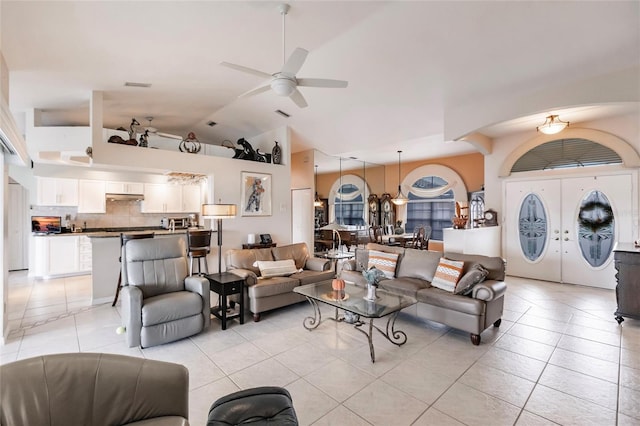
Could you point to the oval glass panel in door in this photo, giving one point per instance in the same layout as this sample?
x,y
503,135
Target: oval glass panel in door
x,y
532,227
596,228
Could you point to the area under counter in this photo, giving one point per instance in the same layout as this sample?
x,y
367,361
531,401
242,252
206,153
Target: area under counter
x,y
105,256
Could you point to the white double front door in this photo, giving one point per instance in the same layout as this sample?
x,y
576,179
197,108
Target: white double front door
x,y
564,229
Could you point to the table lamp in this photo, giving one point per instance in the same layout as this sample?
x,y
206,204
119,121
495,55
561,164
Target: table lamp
x,y
219,212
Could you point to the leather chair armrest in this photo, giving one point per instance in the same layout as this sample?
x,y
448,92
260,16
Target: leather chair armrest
x,y
489,290
200,285
131,299
349,265
250,277
317,264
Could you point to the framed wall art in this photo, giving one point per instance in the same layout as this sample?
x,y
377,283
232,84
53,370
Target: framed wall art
x,y
256,194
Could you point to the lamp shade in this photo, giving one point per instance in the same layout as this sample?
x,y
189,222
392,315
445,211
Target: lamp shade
x,y
219,211
552,125
333,227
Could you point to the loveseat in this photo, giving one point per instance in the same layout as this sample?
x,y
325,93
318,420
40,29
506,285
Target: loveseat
x,y
473,310
271,274
93,389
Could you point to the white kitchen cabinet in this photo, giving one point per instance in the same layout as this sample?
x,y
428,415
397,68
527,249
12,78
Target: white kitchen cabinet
x,y
91,196
191,199
162,198
60,255
57,192
125,188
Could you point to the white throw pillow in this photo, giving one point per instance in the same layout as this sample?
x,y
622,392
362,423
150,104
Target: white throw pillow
x,y
276,268
386,262
447,274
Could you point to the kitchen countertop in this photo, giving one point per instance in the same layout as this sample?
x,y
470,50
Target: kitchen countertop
x,y
115,232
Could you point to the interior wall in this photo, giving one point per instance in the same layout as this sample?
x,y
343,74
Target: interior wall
x,y
627,127
302,170
385,178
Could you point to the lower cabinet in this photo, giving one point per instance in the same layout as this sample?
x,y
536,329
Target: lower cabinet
x,y
61,255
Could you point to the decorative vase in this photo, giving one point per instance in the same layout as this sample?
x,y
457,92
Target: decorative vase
x,y
337,284
399,230
371,293
276,154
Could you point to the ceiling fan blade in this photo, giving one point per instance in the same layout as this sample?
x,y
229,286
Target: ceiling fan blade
x,y
295,62
168,135
246,69
299,100
322,82
255,91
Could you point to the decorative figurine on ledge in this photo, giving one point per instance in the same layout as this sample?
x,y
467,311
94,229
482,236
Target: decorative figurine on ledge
x,y
462,215
248,153
132,134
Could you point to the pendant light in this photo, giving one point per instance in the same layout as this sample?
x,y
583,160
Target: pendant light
x,y
400,199
317,202
552,125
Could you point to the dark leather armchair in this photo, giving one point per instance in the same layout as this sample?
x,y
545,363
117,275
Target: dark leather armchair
x,y
160,303
93,389
261,406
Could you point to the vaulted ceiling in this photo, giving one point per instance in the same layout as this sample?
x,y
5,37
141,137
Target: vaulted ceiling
x,y
411,66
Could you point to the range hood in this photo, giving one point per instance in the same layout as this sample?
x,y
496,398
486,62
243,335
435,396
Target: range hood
x,y
124,197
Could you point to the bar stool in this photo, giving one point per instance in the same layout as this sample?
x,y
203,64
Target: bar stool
x,y
198,247
124,238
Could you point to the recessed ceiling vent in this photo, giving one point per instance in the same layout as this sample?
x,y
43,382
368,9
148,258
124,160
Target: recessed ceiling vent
x,y
133,84
282,113
566,153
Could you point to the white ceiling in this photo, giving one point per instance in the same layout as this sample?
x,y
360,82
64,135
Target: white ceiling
x,y
407,63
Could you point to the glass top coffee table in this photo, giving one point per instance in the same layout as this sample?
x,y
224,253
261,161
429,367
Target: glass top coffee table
x,y
351,301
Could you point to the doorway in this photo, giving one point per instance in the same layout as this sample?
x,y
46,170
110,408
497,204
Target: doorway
x,y
564,229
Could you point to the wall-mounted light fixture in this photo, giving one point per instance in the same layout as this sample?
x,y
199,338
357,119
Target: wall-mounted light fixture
x,y
317,202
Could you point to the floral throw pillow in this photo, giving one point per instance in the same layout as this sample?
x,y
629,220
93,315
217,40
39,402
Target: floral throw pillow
x,y
475,275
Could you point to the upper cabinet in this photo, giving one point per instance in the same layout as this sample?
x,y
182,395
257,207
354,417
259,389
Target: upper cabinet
x,y
91,196
191,198
171,198
57,192
124,188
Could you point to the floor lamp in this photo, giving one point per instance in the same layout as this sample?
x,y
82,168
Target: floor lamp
x,y
219,212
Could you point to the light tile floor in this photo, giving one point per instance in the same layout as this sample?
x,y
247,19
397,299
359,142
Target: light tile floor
x,y
559,357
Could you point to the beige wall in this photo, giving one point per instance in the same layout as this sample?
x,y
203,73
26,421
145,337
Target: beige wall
x,y
385,178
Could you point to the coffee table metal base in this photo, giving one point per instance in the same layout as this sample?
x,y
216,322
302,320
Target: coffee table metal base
x,y
396,337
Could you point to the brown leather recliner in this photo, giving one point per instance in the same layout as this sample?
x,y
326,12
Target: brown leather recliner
x,y
93,389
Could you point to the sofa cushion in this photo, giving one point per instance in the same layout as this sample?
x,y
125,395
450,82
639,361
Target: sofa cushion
x,y
245,259
308,277
447,274
273,286
385,262
475,275
298,252
455,302
276,268
419,264
495,265
170,307
405,286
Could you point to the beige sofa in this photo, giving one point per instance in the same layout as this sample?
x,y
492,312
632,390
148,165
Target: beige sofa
x,y
275,292
93,389
414,272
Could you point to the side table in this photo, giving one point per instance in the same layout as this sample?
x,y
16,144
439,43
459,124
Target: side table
x,y
225,284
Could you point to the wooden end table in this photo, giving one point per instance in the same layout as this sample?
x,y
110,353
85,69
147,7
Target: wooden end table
x,y
225,284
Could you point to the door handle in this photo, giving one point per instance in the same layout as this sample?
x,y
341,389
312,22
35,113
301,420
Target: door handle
x,y
566,238
556,238
566,231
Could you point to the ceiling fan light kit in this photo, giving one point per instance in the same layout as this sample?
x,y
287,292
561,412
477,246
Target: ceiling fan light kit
x,y
552,125
285,82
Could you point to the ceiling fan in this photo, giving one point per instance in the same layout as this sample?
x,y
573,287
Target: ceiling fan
x,y
285,82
